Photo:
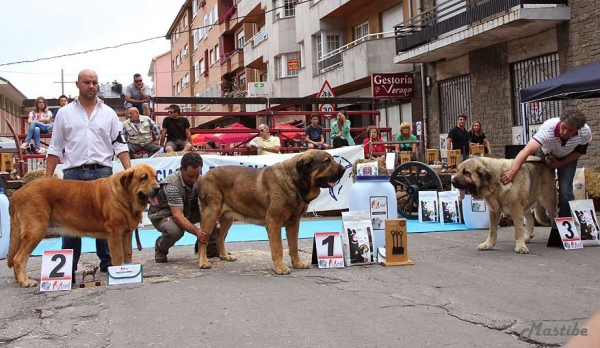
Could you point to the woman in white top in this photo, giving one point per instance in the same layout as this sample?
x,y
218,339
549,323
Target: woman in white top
x,y
40,121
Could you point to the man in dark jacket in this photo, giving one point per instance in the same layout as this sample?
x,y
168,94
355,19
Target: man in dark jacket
x,y
177,210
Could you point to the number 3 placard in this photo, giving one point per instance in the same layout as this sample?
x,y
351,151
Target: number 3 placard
x,y
56,270
568,233
327,248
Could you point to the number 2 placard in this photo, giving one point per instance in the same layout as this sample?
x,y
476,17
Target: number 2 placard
x,y
568,233
56,270
328,247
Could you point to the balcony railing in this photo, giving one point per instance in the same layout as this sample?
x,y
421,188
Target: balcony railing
x,y
455,14
333,59
258,38
227,14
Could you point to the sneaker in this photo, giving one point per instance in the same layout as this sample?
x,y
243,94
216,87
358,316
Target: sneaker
x,y
38,152
24,146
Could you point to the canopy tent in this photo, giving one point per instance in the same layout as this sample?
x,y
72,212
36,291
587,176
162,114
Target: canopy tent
x,y
240,134
580,83
198,139
289,131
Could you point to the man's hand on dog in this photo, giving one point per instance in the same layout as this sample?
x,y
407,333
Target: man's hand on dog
x,y
203,236
508,176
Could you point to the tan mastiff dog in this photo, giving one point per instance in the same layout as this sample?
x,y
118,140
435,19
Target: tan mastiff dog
x,y
274,196
109,208
534,185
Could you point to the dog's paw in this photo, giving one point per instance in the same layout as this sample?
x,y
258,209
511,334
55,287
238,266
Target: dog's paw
x,y
529,238
521,249
300,265
485,246
282,270
28,283
205,265
229,258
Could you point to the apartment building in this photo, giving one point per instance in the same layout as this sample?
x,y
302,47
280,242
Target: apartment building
x,y
295,47
478,54
11,100
160,75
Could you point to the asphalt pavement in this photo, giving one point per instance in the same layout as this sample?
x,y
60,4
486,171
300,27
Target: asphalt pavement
x,y
454,296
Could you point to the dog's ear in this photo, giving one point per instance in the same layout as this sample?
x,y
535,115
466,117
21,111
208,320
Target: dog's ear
x,y
126,178
303,166
484,174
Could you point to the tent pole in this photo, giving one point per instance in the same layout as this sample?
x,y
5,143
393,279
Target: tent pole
x,y
525,123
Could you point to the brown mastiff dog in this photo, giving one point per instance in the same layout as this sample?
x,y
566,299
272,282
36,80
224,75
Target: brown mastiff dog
x,y
273,196
533,186
109,208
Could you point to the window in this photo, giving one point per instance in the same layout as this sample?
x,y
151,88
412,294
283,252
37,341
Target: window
x,y
186,79
202,67
527,73
185,21
285,8
216,52
178,87
210,20
215,14
326,43
455,100
264,77
184,53
196,38
242,79
361,30
211,57
196,71
287,65
205,27
240,39
194,8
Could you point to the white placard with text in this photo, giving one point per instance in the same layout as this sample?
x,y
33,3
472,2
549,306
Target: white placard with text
x,y
57,266
329,249
568,233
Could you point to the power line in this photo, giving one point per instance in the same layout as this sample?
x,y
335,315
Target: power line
x,y
138,41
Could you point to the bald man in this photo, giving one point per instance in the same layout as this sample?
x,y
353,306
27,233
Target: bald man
x,y
90,133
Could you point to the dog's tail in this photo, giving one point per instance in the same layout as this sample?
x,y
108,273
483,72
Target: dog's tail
x,y
15,235
541,215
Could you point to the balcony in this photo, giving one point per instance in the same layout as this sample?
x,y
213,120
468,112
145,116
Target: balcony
x,y
352,62
249,11
454,28
253,50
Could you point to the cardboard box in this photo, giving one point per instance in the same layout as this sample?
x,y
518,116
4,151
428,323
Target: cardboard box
x,y
432,156
405,156
396,244
477,150
7,162
454,157
125,274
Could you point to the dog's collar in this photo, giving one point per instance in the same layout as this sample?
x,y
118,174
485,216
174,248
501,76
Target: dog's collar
x,y
302,198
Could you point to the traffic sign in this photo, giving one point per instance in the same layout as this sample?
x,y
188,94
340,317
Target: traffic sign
x,y
326,91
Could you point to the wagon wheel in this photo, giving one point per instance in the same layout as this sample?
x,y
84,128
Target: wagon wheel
x,y
410,178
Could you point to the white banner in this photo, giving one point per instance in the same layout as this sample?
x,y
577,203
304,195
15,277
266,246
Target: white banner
x,y
333,198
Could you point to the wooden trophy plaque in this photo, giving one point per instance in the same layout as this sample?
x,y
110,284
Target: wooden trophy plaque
x,y
405,157
477,151
396,243
432,156
453,160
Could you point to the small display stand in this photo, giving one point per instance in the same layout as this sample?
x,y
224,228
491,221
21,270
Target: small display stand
x,y
396,243
477,150
405,157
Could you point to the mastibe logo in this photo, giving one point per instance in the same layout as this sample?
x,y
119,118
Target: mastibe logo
x,y
540,328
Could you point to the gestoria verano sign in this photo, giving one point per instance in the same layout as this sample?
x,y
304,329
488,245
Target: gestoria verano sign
x,y
398,85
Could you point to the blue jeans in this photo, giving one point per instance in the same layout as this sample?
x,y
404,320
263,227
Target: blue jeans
x,y
75,242
566,175
35,129
139,106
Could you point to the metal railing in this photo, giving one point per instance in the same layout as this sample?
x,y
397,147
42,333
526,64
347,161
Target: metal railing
x,y
454,14
333,59
257,38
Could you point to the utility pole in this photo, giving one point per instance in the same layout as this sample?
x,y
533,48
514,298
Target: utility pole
x,y
62,82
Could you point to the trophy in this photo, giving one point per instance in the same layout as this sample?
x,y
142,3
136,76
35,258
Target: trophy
x,y
90,283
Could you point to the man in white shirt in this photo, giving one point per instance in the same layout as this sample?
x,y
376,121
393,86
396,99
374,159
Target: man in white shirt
x,y
138,95
562,140
265,143
90,134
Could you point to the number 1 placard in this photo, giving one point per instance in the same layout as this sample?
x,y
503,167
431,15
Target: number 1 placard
x,y
56,270
568,233
327,247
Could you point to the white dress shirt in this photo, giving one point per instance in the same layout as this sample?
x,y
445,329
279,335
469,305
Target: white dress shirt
x,y
87,140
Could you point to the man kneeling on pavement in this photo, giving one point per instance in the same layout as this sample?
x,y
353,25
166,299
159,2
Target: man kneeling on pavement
x,y
177,210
